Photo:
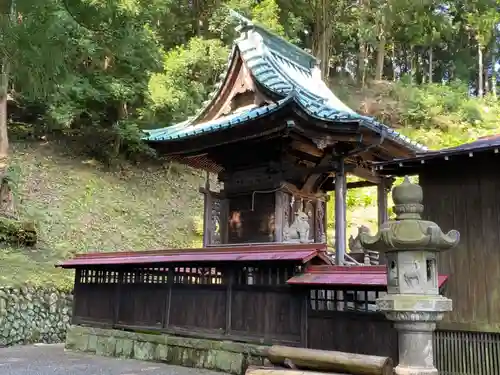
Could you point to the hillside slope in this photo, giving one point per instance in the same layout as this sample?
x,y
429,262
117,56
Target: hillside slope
x,y
436,115
77,206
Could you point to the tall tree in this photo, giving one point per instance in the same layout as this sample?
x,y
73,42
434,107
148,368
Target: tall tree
x,y
31,60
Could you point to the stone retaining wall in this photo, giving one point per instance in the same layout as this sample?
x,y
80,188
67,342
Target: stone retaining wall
x,y
223,356
33,315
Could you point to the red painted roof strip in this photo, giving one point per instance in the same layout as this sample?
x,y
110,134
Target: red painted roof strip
x,y
240,253
347,276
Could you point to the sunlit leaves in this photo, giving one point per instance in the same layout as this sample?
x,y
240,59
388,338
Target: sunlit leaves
x,y
189,74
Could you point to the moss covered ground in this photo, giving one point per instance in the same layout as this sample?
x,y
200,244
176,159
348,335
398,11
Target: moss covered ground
x,y
78,206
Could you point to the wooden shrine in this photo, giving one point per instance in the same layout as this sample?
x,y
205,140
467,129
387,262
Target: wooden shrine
x,y
278,140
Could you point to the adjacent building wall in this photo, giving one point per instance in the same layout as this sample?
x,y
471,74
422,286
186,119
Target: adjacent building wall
x,y
464,194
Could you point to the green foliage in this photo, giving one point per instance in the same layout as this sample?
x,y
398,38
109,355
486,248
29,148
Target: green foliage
x,y
17,233
267,12
437,115
445,115
189,74
33,46
100,71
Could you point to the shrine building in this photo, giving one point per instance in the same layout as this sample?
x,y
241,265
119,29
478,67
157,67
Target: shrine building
x,y
279,140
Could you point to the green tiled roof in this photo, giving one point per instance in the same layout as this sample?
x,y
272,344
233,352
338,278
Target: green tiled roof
x,y
288,72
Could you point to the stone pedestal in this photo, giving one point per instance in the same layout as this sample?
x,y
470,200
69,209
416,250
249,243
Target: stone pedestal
x,y
412,301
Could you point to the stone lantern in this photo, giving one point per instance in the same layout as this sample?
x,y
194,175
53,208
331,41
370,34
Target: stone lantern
x,y
411,246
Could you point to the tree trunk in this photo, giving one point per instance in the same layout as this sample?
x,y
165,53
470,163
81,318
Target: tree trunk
x,y
486,82
6,197
197,22
322,36
122,115
363,48
362,63
379,71
7,207
493,74
421,71
431,55
4,90
394,63
480,81
413,64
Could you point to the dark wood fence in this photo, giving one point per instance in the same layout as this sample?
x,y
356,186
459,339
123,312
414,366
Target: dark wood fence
x,y
250,303
347,320
467,353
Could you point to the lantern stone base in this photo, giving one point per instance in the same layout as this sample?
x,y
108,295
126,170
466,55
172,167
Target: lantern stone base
x,y
414,371
403,306
415,318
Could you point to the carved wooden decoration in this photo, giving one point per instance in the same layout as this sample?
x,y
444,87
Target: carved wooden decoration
x,y
215,219
320,222
310,211
215,227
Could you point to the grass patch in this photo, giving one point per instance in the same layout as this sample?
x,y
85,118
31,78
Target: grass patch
x,y
79,207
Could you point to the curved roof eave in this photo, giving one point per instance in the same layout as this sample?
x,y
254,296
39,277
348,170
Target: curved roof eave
x,y
271,74
188,130
228,122
290,78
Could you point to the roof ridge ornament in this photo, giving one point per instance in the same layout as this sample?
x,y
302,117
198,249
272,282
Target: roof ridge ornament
x,y
242,20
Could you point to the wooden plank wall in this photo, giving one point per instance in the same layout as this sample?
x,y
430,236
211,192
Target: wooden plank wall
x,y
347,320
243,304
467,353
249,304
465,195
353,332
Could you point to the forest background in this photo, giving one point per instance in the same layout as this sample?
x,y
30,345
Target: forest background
x,y
80,79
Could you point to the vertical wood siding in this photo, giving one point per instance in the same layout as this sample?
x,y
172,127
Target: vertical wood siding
x,y
467,353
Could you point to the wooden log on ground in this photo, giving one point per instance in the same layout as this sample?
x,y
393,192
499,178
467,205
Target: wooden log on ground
x,y
331,361
258,370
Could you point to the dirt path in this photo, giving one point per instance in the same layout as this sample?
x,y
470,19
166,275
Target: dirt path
x,y
53,360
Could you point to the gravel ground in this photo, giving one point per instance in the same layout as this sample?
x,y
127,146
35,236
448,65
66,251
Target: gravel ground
x,y
53,360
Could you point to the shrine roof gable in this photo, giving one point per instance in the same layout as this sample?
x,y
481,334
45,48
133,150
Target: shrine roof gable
x,y
279,70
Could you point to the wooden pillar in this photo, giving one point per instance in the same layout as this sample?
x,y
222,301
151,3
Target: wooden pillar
x,y
207,213
383,189
340,213
229,280
118,287
168,301
76,289
279,216
304,318
223,220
